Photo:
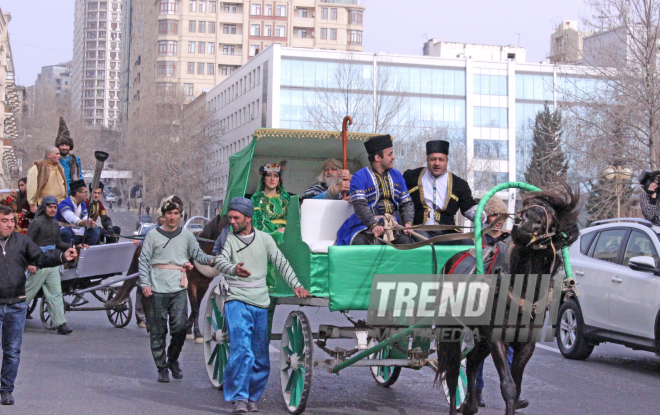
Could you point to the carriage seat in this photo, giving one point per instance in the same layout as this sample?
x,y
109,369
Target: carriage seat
x,y
320,220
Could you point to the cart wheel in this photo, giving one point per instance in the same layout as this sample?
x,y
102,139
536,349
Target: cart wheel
x,y
296,358
216,340
383,375
32,306
46,320
120,315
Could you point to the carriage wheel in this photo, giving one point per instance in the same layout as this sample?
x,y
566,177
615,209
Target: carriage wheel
x,y
119,315
46,319
296,359
32,306
216,341
383,375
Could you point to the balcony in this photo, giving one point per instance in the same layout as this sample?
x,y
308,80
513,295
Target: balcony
x,y
235,18
236,59
302,21
230,39
297,42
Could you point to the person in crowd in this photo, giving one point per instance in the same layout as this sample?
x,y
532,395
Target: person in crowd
x,y
648,198
45,232
166,255
73,212
96,210
377,191
243,261
437,193
46,178
330,183
19,204
18,252
70,163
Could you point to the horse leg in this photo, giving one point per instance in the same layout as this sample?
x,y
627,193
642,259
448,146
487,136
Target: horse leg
x,y
474,359
452,359
507,385
522,352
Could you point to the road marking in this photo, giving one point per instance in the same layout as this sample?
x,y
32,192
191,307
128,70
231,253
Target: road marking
x,y
544,347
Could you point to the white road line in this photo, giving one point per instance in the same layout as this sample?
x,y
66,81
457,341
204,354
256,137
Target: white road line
x,y
544,347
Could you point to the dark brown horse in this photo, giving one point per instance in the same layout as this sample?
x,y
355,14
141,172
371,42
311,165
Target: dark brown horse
x,y
546,224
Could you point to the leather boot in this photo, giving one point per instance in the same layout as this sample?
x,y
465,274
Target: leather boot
x,y
480,398
163,375
177,373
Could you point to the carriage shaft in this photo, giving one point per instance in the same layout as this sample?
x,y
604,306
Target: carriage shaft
x,y
105,284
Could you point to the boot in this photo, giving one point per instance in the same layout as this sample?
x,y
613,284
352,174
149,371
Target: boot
x,y
7,398
252,407
176,370
480,398
163,375
239,407
64,329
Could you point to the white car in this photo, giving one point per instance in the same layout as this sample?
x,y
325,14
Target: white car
x,y
110,197
615,265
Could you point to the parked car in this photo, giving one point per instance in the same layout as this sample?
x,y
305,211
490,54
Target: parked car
x,y
195,227
144,228
615,265
110,197
142,220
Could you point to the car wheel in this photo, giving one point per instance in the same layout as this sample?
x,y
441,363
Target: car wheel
x,y
570,332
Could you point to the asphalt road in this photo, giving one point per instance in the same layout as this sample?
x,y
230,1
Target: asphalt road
x,y
99,369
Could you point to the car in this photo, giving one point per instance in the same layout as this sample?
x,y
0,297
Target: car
x,y
110,197
195,227
142,220
146,227
615,265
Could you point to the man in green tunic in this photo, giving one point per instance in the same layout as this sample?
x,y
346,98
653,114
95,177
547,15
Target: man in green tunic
x,y
166,255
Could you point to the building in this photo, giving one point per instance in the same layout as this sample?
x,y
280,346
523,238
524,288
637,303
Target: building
x,y
57,78
97,61
612,47
10,98
452,50
485,108
566,43
196,44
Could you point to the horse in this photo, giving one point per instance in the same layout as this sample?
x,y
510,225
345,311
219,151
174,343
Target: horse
x,y
546,223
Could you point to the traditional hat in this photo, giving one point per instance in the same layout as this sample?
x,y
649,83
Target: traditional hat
x,y
100,186
378,143
171,203
241,205
63,135
437,146
495,206
76,184
271,168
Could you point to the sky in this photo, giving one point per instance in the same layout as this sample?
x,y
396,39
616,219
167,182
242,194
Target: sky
x,y
41,31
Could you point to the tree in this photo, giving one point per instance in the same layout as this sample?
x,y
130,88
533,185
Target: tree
x,y
548,164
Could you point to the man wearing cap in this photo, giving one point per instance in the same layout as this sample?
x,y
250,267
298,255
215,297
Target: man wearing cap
x,y
376,192
70,163
438,194
46,178
244,261
330,183
72,211
96,210
167,252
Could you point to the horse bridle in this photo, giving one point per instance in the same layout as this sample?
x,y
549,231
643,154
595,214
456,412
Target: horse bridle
x,y
537,240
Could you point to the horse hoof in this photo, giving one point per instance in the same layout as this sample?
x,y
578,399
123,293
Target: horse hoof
x,y
199,340
190,337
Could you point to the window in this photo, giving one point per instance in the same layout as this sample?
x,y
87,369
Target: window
x,y
165,69
227,70
228,49
639,245
354,37
191,68
193,6
484,180
167,48
333,34
212,7
585,241
211,27
355,17
229,29
254,50
202,6
255,10
608,244
333,14
202,27
188,89
281,10
192,25
268,30
168,6
491,117
191,47
302,12
255,30
279,31
200,47
200,69
301,33
491,149
268,10
324,13
230,8
210,68
490,85
211,47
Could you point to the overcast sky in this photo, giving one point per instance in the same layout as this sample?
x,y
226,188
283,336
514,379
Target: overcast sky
x,y
42,30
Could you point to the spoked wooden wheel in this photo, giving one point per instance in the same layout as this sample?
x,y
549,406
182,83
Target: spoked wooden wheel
x,y
296,357
216,340
46,319
32,306
383,375
119,315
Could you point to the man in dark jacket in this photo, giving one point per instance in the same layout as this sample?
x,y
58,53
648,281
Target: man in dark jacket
x,y
17,252
96,210
45,232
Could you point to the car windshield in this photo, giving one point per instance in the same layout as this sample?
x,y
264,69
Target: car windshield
x,y
145,219
147,228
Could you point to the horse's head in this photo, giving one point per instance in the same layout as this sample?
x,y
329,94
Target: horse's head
x,y
214,227
547,217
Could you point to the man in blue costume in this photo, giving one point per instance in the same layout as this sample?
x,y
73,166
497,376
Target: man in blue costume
x,y
376,192
70,163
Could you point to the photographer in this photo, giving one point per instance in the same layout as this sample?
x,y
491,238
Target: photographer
x,y
648,200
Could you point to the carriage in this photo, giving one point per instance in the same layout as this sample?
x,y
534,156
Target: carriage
x,y
338,277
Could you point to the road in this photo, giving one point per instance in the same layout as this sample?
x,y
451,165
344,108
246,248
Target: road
x,y
99,369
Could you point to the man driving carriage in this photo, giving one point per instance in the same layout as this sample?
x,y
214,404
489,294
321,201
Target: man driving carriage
x,y
72,211
378,193
330,183
96,210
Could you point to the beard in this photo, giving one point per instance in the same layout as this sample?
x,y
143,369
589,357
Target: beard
x,y
332,180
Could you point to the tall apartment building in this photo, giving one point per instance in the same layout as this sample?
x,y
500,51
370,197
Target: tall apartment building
x,y
97,61
10,99
57,77
196,44
566,43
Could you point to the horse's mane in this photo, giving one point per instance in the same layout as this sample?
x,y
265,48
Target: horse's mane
x,y
563,201
212,229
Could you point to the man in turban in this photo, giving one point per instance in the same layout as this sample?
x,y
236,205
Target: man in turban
x,y
378,192
70,163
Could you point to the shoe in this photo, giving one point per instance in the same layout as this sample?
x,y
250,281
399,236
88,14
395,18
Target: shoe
x,y
7,398
522,404
64,329
163,375
252,407
239,407
480,398
176,370
142,324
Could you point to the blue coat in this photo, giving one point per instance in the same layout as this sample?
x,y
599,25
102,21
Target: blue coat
x,y
67,204
363,186
66,165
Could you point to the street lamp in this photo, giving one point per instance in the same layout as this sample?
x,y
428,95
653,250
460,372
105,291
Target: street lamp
x,y
619,174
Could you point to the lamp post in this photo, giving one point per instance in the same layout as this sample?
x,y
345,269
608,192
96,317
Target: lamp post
x,y
619,174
